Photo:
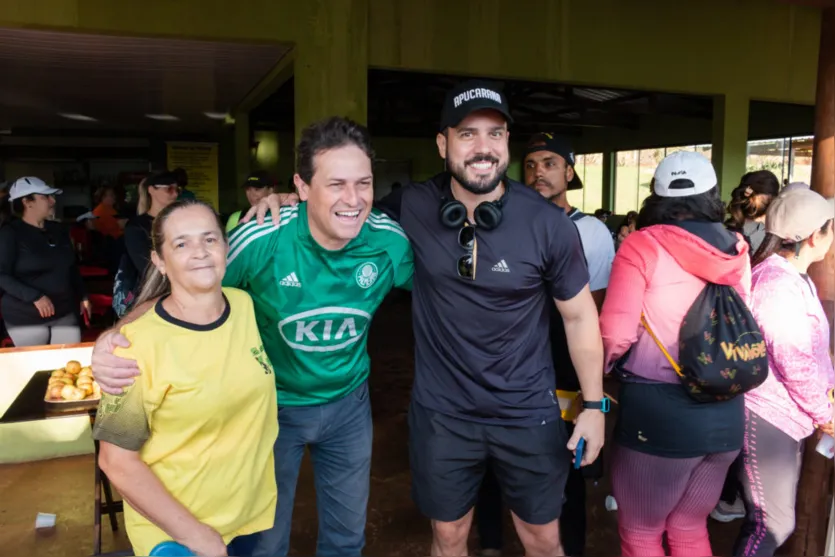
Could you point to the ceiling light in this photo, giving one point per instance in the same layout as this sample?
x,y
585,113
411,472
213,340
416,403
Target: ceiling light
x,y
217,115
78,117
162,117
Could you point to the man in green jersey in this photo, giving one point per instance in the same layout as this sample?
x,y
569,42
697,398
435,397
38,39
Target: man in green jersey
x,y
315,281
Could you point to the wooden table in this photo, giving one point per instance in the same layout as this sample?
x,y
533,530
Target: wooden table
x,y
31,406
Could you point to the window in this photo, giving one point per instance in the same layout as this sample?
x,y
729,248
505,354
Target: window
x,y
789,158
634,171
590,170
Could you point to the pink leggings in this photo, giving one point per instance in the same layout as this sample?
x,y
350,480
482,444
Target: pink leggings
x,y
673,495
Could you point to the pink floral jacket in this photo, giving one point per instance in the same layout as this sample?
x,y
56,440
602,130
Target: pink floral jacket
x,y
795,397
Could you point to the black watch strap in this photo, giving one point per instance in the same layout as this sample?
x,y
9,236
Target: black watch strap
x,y
602,405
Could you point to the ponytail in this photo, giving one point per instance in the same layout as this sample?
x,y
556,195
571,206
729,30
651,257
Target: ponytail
x,y
143,205
155,285
737,209
751,198
771,244
746,205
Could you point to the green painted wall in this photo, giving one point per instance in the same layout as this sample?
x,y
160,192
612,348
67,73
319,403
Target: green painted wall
x,y
765,50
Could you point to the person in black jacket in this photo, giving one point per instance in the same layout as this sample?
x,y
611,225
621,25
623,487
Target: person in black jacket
x,y
5,204
155,194
39,277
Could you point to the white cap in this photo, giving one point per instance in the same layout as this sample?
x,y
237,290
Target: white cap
x,y
29,185
684,173
86,216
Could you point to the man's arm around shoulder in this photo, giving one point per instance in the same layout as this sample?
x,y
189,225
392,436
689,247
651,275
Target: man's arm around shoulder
x,y
111,372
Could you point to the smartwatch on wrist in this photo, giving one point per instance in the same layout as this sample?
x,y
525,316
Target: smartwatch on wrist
x,y
602,405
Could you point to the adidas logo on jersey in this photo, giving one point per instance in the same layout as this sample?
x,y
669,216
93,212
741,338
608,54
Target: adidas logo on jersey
x,y
501,267
290,280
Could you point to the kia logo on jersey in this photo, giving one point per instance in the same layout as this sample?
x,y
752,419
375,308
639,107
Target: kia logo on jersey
x,y
324,330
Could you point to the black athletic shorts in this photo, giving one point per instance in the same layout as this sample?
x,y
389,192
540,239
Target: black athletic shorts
x,y
448,456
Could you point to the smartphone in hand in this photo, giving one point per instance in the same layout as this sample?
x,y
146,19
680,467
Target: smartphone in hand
x,y
578,453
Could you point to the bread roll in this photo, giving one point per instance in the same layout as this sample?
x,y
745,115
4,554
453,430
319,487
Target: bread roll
x,y
86,372
58,373
72,393
73,367
54,392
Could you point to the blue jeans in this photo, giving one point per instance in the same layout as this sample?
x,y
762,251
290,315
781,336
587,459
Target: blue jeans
x,y
242,546
339,437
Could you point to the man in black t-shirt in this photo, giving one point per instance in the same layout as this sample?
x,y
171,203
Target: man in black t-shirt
x,y
491,258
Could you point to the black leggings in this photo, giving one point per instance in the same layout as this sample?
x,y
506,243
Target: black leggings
x,y
769,475
732,488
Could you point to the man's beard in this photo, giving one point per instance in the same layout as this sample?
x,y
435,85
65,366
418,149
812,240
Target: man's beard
x,y
480,186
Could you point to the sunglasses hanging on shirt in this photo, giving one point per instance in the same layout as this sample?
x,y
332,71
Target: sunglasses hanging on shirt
x,y
487,216
467,262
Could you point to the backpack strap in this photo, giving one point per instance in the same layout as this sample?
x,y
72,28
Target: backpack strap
x,y
670,359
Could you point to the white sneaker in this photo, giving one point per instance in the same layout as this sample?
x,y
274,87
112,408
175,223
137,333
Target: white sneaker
x,y
728,513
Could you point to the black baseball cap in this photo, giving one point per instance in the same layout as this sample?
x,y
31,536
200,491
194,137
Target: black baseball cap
x,y
165,178
258,179
557,144
470,96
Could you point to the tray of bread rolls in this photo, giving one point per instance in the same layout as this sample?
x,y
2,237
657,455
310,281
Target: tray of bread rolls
x,y
72,387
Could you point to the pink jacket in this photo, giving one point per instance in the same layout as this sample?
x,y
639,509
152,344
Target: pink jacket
x,y
660,270
794,396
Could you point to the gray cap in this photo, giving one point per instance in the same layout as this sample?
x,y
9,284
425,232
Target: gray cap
x,y
796,214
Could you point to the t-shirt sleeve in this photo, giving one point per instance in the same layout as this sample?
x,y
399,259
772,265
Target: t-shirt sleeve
x,y
233,221
122,420
251,247
403,260
600,252
565,270
391,204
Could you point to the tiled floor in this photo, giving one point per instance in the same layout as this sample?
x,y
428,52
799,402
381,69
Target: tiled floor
x,y
395,528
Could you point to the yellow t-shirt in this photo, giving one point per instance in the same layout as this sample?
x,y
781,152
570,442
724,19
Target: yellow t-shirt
x,y
203,417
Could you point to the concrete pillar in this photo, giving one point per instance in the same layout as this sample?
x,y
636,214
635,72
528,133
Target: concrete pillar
x,y
609,180
815,485
823,161
730,140
331,62
243,156
227,177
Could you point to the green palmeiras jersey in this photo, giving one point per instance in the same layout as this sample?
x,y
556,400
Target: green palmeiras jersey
x,y
314,306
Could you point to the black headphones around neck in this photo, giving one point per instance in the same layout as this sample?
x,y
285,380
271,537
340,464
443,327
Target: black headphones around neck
x,y
487,215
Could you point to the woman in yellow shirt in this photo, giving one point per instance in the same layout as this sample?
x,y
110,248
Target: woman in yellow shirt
x,y
190,444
